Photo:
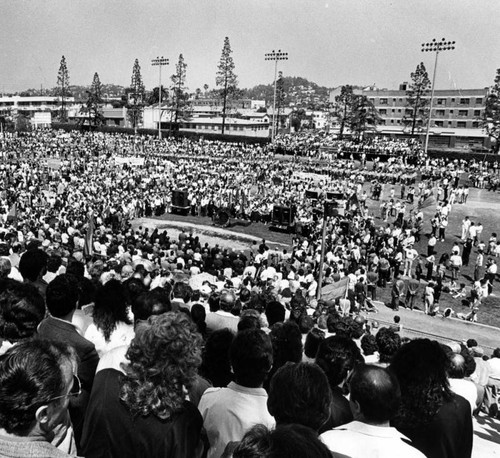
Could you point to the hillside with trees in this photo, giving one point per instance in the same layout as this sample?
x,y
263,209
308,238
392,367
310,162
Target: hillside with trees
x,y
298,92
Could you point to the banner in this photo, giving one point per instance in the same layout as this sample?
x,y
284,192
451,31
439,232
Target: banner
x,y
335,290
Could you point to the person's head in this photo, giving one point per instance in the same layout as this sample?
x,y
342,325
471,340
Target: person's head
x,y
421,368
62,296
216,366
300,393
285,441
54,261
110,307
287,343
374,394
388,343
227,300
182,291
164,357
251,356
314,337
199,315
21,311
5,267
149,303
275,312
471,343
75,268
456,368
36,381
134,287
249,321
369,344
33,264
338,356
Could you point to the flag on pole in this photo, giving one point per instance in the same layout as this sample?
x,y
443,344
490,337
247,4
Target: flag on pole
x,y
335,290
428,202
88,246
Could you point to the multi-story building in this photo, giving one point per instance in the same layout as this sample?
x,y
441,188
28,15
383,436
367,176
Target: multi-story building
x,y
455,118
28,106
454,109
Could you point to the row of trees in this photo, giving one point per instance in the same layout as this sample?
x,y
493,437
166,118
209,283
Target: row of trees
x,y
135,94
352,110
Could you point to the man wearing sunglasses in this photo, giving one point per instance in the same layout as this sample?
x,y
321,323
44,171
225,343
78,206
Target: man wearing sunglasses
x,y
37,381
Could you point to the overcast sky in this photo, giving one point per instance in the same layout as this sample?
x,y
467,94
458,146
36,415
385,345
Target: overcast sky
x,y
330,42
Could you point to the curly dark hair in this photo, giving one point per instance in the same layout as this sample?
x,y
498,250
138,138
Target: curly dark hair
x,y
337,356
421,367
21,310
164,357
110,307
388,342
369,344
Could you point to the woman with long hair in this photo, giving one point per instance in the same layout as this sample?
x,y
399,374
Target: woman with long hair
x,y
111,325
437,421
141,410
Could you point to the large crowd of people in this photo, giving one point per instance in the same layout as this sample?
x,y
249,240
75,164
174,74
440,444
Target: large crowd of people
x,y
122,341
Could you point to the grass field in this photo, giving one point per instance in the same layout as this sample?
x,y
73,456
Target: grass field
x,y
482,206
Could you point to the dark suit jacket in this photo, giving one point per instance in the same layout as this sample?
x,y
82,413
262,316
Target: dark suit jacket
x,y
58,330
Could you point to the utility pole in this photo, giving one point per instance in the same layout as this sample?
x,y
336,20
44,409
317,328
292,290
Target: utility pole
x,y
434,46
276,56
159,62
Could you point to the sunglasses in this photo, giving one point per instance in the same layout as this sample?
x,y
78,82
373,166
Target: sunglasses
x,y
75,391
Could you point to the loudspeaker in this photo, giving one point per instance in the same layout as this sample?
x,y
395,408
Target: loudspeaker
x,y
282,216
334,195
180,199
331,209
310,194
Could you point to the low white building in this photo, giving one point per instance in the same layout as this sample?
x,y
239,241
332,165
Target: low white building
x,y
13,105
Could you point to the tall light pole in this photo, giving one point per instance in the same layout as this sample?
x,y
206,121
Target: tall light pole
x,y
437,47
276,56
159,62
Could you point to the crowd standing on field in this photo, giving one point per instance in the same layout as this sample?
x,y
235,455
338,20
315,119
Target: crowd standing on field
x,y
165,346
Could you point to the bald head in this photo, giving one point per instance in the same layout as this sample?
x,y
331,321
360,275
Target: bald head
x,y
457,366
377,392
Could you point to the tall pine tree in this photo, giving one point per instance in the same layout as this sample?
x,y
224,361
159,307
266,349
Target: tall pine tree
x,y
179,94
136,92
343,108
491,116
226,79
93,106
63,88
364,116
417,99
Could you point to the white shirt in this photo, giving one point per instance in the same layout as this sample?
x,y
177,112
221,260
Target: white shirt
x,y
466,389
360,440
122,335
228,413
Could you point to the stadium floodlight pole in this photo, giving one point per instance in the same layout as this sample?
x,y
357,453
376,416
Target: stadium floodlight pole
x,y
437,47
159,62
276,56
